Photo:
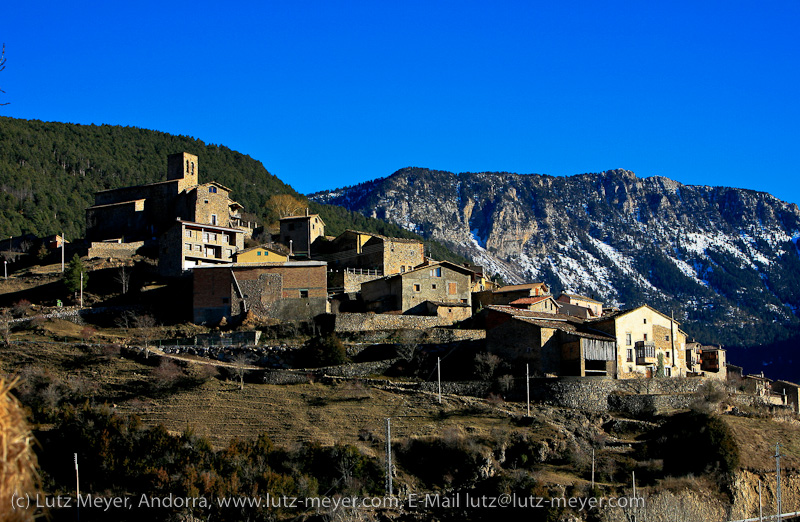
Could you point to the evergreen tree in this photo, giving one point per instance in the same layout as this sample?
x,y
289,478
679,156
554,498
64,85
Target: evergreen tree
x,y
660,372
72,275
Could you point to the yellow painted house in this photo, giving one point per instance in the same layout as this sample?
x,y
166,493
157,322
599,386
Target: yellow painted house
x,y
260,254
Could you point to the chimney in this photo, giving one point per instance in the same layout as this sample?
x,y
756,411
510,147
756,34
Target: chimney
x,y
306,211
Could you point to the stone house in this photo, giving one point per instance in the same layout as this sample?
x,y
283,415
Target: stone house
x,y
790,393
506,294
261,254
643,336
366,251
407,291
713,360
553,345
543,303
299,233
145,212
293,290
187,245
595,307
480,281
355,257
448,312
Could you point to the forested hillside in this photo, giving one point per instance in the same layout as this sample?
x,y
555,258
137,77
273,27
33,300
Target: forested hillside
x,y
50,171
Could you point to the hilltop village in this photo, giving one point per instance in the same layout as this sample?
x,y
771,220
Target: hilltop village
x,y
362,282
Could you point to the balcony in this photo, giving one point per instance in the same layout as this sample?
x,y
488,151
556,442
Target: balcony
x,y
645,352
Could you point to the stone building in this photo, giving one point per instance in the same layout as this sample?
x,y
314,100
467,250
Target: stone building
x,y
366,251
407,292
145,212
643,336
553,345
299,233
187,245
789,393
506,294
595,307
450,312
294,290
543,303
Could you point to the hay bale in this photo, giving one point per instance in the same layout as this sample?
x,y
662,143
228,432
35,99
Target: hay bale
x,y
17,460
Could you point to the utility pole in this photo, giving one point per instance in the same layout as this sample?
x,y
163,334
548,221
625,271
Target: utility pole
x,y
5,267
760,509
439,376
62,252
528,387
81,289
778,479
389,456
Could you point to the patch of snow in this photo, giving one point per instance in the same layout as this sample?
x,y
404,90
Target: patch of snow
x,y
477,239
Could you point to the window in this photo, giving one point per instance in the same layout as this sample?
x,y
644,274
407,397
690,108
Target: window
x,y
417,288
628,339
193,167
212,190
451,288
669,355
197,248
668,371
206,237
213,236
666,337
188,246
645,337
436,272
258,253
645,320
213,219
188,233
433,286
187,166
402,270
630,355
304,293
205,201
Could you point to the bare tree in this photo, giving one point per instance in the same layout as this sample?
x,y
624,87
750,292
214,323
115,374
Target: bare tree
x,y
123,277
240,363
285,205
146,329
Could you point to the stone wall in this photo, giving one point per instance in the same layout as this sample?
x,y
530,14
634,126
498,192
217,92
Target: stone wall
x,y
365,322
115,250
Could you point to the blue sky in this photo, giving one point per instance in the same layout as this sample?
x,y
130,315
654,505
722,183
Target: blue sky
x,y
327,94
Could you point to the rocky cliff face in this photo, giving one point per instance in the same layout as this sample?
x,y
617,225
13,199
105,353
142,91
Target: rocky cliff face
x,y
724,260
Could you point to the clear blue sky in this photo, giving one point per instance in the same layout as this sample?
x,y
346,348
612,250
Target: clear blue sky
x,y
331,93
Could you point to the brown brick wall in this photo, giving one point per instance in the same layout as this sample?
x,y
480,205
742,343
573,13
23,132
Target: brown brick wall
x,y
295,278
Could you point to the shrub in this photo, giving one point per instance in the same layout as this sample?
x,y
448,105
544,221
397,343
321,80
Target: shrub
x,y
323,351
